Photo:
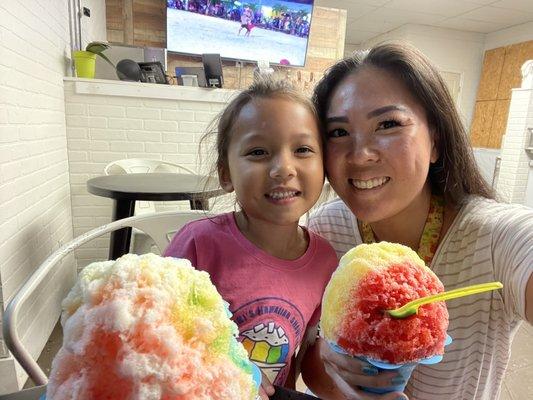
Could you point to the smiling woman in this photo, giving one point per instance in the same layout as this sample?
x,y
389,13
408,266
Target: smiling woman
x,y
384,174
399,159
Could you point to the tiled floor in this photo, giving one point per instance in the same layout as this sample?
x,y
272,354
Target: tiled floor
x,y
518,383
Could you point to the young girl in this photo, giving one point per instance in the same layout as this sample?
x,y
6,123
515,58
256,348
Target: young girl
x,y
271,270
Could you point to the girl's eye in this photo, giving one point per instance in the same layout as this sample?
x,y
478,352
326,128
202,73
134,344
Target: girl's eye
x,y
256,153
303,150
388,124
338,132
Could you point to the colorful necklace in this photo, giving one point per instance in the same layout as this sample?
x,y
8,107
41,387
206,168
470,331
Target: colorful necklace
x,y
430,235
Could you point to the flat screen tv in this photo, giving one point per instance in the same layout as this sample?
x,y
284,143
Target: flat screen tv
x,y
252,30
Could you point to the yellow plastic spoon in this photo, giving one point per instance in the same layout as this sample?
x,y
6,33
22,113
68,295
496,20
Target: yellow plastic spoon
x,y
411,308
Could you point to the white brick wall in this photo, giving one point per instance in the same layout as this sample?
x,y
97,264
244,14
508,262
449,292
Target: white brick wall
x,y
35,214
514,167
110,120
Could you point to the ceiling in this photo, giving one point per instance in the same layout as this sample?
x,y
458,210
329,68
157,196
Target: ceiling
x,y
370,18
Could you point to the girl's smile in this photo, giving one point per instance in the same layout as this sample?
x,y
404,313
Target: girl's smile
x,y
282,195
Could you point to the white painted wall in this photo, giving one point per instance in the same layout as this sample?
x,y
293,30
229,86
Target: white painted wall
x,y
515,34
486,160
451,51
93,28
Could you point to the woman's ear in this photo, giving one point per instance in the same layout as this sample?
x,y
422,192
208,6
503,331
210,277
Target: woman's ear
x,y
224,179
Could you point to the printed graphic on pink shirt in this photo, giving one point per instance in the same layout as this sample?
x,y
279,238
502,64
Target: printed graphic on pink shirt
x,y
271,328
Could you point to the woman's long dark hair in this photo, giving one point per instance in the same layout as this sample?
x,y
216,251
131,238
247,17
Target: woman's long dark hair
x,y
455,174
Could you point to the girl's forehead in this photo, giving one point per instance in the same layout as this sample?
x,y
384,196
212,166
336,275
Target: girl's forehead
x,y
271,108
275,119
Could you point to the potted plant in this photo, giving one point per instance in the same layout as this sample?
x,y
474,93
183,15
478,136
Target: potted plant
x,y
85,61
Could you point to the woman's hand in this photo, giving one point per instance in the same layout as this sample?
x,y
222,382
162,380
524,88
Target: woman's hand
x,y
266,389
349,373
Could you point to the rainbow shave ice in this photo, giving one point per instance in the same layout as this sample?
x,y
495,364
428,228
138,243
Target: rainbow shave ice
x,y
370,279
148,327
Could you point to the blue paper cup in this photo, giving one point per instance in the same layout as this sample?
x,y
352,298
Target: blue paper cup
x,y
256,375
404,370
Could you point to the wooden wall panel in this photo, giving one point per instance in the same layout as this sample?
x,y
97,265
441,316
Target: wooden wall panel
x,y
482,123
494,88
115,21
146,27
149,23
114,18
491,74
499,123
511,76
127,15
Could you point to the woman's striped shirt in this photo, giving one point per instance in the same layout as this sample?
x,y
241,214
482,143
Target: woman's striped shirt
x,y
488,241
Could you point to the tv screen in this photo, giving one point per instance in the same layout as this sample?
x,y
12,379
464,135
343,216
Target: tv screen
x,y
273,30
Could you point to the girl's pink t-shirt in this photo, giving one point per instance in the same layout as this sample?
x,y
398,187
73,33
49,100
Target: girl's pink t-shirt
x,y
273,301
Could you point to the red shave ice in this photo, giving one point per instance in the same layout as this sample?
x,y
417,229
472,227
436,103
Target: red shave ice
x,y
367,330
378,277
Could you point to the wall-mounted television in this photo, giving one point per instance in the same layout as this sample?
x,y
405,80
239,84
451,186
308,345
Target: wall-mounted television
x,y
247,30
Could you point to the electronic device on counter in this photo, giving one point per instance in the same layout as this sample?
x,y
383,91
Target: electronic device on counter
x,y
195,71
153,72
213,70
156,54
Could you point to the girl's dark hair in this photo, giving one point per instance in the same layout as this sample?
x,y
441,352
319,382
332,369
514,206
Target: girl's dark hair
x,y
455,174
264,87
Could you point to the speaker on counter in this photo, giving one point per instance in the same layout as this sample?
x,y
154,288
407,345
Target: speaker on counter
x,y
128,70
153,54
213,70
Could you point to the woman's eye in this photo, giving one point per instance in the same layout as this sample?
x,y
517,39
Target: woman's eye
x,y
338,132
388,124
256,153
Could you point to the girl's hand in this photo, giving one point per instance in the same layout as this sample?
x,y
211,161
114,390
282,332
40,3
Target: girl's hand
x,y
349,373
266,389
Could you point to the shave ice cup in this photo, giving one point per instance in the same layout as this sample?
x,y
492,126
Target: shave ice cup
x,y
403,370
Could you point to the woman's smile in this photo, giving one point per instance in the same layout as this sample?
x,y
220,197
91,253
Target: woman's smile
x,y
368,184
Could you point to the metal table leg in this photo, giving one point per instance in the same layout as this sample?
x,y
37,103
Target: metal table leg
x,y
119,243
199,204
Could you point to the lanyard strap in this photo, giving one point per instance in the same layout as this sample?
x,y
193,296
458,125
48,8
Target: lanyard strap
x,y
430,235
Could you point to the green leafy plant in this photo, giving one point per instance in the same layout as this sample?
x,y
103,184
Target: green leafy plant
x,y
98,48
